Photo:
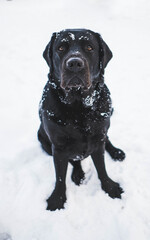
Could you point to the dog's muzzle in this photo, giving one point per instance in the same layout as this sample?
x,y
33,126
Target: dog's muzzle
x,y
75,73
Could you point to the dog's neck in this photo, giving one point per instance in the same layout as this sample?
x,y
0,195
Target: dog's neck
x,y
87,97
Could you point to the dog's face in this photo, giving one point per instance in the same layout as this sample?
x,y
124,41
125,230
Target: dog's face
x,y
77,58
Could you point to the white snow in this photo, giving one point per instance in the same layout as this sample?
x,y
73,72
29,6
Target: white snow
x,y
49,113
104,114
72,36
53,85
65,40
80,38
78,157
89,100
27,174
83,37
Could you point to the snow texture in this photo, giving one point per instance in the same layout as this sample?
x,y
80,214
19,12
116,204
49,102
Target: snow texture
x,y
27,174
72,36
89,100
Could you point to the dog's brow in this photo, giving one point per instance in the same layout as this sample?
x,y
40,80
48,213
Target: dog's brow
x,y
70,35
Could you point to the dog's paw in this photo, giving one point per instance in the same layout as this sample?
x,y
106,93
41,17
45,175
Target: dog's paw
x,y
77,176
112,188
117,154
56,201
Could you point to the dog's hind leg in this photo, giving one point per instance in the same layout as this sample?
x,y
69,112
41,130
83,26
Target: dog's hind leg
x,y
77,175
45,143
116,153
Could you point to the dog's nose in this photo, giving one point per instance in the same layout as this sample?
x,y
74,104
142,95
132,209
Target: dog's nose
x,y
75,64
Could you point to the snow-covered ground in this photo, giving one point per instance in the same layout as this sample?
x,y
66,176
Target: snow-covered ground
x,y
26,173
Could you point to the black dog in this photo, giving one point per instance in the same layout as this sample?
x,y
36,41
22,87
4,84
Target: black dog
x,y
75,110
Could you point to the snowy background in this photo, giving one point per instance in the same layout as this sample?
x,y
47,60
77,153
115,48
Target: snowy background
x,y
27,175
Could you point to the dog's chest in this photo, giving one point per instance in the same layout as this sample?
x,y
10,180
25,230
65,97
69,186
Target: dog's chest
x,y
82,139
85,122
78,128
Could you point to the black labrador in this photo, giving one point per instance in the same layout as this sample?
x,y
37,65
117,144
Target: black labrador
x,y
75,110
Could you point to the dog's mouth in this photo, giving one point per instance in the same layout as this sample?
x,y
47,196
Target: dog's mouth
x,y
75,83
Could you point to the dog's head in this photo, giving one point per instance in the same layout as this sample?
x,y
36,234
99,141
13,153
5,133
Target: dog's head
x,y
77,58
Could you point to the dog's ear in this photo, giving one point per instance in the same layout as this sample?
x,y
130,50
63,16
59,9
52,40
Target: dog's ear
x,y
105,53
47,54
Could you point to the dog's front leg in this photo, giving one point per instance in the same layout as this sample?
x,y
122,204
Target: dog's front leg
x,y
109,186
58,197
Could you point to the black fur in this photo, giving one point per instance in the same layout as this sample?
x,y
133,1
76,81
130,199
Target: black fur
x,y
75,110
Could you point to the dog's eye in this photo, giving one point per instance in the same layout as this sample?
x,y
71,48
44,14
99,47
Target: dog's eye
x,y
89,48
61,48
